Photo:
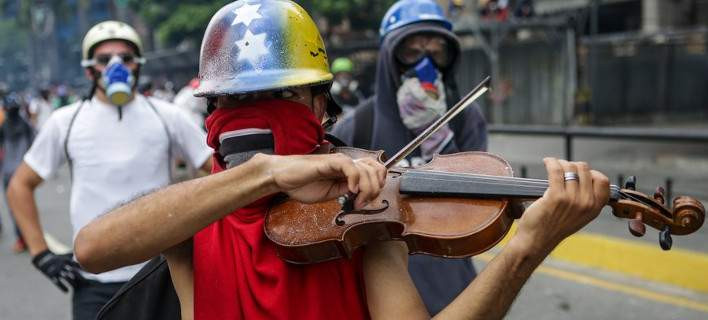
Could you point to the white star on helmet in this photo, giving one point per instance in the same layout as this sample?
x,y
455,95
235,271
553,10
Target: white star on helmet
x,y
252,47
246,14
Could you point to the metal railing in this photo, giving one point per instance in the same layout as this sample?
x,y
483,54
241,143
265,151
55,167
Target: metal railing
x,y
569,134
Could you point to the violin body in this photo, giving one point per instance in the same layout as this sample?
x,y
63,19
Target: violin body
x,y
436,225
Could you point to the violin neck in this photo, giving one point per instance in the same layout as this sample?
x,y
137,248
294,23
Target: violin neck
x,y
446,184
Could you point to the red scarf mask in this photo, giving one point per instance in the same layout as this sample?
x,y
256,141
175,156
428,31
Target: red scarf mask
x,y
284,127
280,127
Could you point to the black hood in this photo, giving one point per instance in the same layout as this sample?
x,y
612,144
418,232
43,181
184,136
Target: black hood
x,y
389,133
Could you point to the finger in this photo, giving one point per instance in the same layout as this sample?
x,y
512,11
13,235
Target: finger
x,y
586,195
67,273
601,189
555,175
380,171
69,284
346,166
60,285
571,186
375,181
75,264
69,278
365,187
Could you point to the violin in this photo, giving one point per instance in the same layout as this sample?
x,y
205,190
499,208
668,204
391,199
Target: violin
x,y
455,206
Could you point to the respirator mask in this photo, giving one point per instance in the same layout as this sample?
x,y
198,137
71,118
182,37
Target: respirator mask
x,y
118,81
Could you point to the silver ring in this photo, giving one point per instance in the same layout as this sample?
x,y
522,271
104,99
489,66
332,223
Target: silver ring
x,y
571,176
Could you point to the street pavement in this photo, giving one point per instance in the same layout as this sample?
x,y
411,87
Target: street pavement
x,y
560,289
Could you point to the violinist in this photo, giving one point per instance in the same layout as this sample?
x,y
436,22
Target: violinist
x,y
415,85
267,89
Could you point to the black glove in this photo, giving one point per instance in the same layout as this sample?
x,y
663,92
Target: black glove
x,y
61,269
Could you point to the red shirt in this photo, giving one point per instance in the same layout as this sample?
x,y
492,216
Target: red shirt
x,y
237,275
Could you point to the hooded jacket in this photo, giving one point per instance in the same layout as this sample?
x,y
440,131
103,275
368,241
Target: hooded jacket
x,y
438,280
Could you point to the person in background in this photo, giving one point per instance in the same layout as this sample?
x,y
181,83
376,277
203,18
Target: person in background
x,y
165,91
498,10
415,85
16,135
145,86
196,107
524,9
117,143
40,108
345,89
62,97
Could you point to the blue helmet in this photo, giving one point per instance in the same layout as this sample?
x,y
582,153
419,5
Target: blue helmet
x,y
405,12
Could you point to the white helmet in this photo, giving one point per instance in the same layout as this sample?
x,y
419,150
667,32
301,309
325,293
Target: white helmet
x,y
109,30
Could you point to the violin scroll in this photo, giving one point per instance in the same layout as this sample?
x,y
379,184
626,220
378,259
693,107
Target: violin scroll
x,y
689,215
686,216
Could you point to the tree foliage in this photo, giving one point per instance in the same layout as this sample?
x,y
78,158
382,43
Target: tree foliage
x,y
364,14
177,20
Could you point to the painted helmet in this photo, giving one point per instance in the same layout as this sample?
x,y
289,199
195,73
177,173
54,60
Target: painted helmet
x,y
109,30
253,45
405,12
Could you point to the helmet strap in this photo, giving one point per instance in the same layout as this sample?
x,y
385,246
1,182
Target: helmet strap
x,y
94,84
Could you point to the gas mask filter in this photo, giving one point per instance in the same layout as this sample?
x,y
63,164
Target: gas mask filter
x,y
118,81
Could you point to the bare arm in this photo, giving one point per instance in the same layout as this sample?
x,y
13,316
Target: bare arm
x,y
391,293
179,260
562,211
20,196
206,166
148,226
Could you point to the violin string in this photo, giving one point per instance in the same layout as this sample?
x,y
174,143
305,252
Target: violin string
x,y
514,180
462,177
539,185
631,197
498,182
536,185
474,175
538,189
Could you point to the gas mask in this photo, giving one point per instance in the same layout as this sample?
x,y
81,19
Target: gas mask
x,y
118,81
344,83
421,97
422,100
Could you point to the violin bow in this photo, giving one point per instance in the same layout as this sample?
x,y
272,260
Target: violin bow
x,y
473,95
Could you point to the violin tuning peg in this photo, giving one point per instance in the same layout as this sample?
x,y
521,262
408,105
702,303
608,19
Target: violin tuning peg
x,y
660,195
636,227
631,183
665,240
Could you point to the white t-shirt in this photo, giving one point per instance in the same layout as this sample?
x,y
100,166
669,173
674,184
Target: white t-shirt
x,y
115,160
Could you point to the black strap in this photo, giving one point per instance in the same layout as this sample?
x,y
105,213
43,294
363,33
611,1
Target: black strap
x,y
363,124
66,139
334,140
169,136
